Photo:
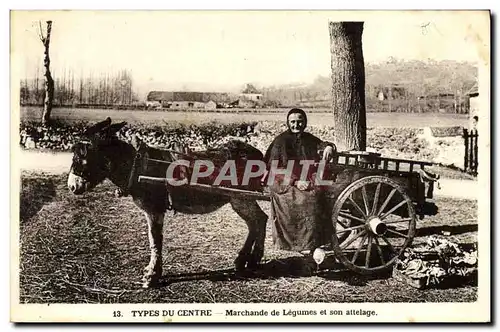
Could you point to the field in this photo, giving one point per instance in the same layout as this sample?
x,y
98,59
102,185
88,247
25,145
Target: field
x,y
92,249
315,117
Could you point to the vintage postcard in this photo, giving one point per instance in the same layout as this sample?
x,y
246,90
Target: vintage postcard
x,y
250,166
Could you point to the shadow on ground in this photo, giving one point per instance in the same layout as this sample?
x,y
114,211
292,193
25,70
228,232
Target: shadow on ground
x,y
299,267
290,267
438,230
330,269
453,230
35,193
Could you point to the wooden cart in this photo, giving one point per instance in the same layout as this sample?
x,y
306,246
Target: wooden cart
x,y
375,202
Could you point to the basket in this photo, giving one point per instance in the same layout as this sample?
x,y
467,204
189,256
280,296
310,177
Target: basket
x,y
419,283
424,267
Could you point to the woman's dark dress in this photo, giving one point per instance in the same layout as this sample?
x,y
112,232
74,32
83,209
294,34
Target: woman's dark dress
x,y
300,219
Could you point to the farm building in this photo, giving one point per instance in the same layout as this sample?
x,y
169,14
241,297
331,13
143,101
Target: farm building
x,y
153,104
210,105
243,103
250,93
187,100
395,91
473,106
447,102
256,97
473,101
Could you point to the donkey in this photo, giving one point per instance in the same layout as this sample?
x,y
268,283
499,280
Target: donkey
x,y
103,155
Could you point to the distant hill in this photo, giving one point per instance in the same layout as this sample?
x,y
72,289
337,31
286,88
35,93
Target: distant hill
x,y
393,86
397,80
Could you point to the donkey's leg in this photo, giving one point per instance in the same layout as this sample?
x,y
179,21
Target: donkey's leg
x,y
258,248
255,219
153,271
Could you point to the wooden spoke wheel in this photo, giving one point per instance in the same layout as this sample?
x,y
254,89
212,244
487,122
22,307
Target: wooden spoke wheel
x,y
374,221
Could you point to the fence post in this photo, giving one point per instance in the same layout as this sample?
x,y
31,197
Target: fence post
x,y
466,154
471,153
475,148
471,159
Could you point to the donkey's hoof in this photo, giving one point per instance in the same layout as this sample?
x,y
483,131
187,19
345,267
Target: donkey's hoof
x,y
150,282
255,260
151,277
253,264
240,263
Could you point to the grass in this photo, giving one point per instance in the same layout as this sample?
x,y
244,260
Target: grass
x,y
316,117
93,248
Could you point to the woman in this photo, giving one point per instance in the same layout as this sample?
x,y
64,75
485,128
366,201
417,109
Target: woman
x,y
297,205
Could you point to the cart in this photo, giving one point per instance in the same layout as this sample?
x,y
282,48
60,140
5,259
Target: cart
x,y
375,203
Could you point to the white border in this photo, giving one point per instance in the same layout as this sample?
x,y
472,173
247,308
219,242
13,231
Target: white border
x,y
196,4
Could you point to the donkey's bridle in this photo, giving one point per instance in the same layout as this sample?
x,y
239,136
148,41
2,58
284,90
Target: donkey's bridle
x,y
90,146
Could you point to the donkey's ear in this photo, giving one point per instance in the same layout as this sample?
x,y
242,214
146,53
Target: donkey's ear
x,y
98,127
114,128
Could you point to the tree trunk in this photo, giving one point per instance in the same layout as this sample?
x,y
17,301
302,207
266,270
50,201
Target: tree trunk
x,y
348,85
80,99
49,82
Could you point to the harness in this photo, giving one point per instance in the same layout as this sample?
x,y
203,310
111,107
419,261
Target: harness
x,y
140,158
133,175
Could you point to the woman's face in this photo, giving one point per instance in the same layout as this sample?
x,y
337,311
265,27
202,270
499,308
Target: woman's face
x,y
296,123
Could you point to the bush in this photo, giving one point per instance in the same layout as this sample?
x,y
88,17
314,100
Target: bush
x,y
60,136
446,131
391,142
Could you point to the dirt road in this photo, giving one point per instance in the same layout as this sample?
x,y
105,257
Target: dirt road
x,y
467,189
49,162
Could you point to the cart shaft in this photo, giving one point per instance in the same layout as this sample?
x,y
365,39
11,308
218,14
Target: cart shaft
x,y
233,192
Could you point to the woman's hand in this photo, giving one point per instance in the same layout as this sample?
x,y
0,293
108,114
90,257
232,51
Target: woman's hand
x,y
328,153
302,185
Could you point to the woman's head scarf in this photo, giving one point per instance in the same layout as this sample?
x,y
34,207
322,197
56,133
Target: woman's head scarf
x,y
296,111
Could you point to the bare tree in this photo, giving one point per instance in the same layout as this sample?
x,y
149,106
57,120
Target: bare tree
x,y
36,86
49,82
348,85
106,89
25,92
72,88
80,99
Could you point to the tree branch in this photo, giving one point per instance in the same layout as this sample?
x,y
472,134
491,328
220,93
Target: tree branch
x,y
49,29
40,32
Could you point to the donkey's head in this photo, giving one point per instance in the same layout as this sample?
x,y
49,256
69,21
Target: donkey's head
x,y
90,164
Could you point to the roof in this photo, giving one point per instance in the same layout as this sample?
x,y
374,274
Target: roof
x,y
159,95
188,96
474,91
202,97
439,95
250,89
251,94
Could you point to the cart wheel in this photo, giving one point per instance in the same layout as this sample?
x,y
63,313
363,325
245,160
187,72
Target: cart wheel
x,y
381,226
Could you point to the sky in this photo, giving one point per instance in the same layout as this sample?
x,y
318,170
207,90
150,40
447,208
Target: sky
x,y
223,50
